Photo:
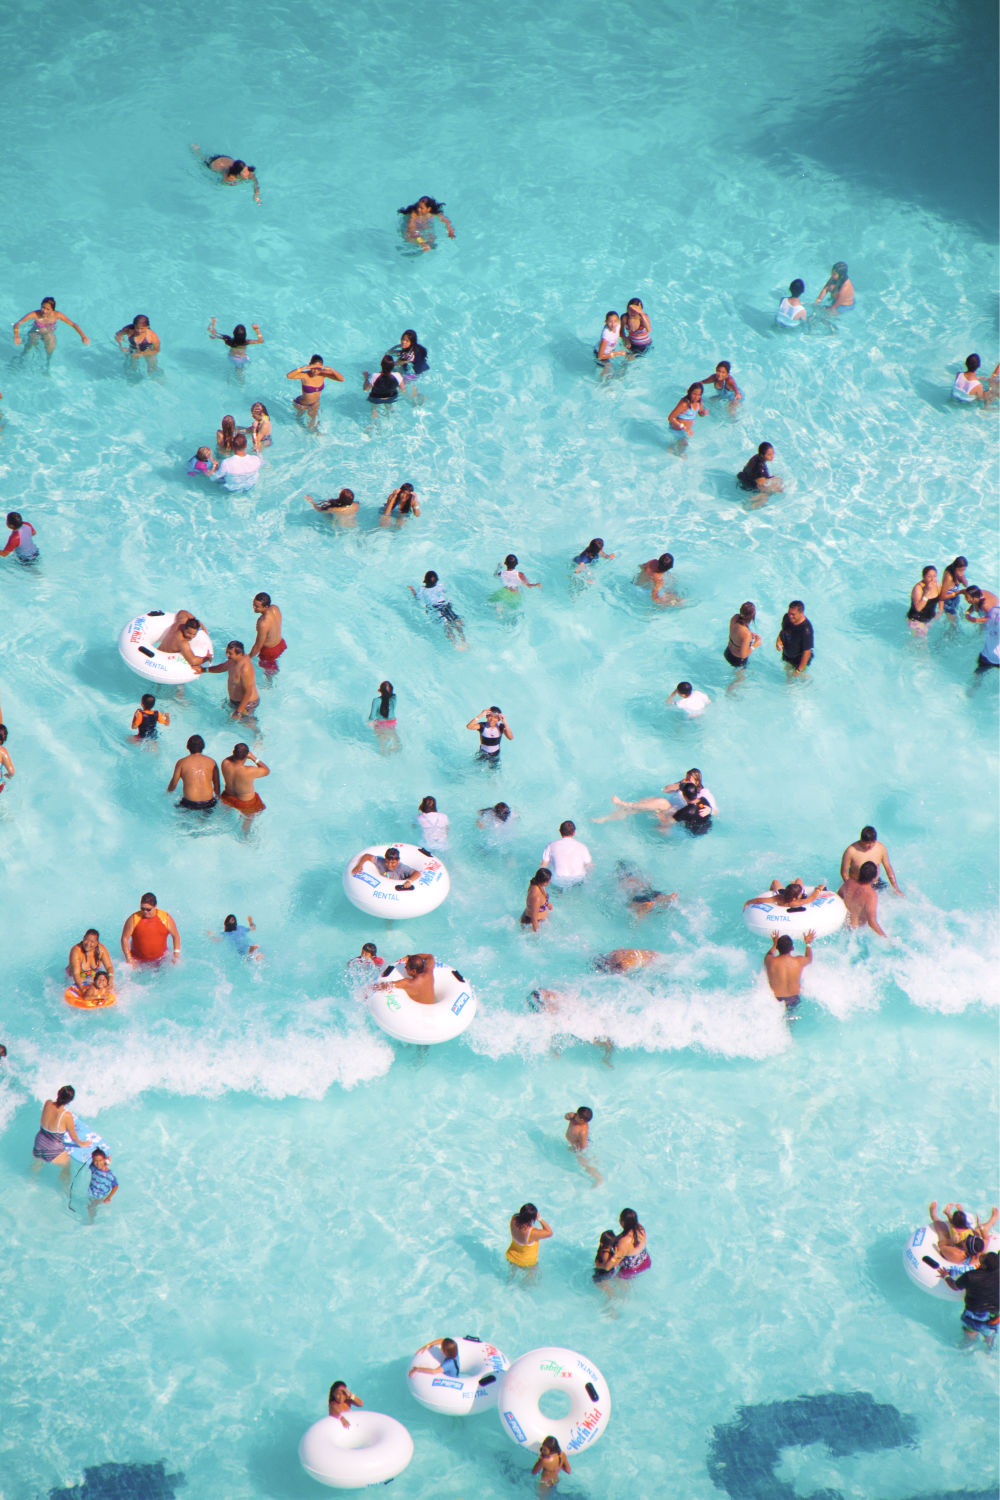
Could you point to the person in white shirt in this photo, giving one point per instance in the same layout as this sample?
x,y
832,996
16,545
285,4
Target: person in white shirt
x,y
239,471
567,858
433,824
689,700
791,313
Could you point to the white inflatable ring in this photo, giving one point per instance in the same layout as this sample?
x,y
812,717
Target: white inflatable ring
x,y
921,1261
373,1449
823,916
372,893
476,1386
544,1370
137,649
408,1021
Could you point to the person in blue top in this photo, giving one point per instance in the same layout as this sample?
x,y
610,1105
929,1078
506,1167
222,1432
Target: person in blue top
x,y
593,550
447,1365
237,937
103,1182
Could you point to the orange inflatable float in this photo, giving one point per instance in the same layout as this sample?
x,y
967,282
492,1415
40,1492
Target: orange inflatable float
x,y
72,996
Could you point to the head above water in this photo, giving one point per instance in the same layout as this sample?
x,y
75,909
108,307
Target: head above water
x,y
430,578
664,562
695,392
510,561
785,945
415,964
428,804
195,744
972,364
567,829
236,647
240,751
796,287
868,835
689,790
594,547
264,600
526,1214
14,519
230,923
500,811
839,271
424,205
748,612
66,1094
868,873
370,949
683,690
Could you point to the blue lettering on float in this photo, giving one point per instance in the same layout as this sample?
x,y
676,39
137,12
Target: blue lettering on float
x,y
458,1004
516,1429
448,1384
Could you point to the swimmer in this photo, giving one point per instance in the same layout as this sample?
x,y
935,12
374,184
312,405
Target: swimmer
x,y
242,681
363,963
980,1285
87,958
954,1229
177,639
433,824
203,462
44,320
147,718
240,772
511,577
340,1401
925,599
631,1257
689,700
239,472
625,960
386,385
268,641
103,1183
567,857
756,477
492,729
795,638
493,817
742,640
435,600
859,895
447,1365
723,383
6,764
838,288
225,435
587,558
784,966
343,508
578,1136
420,216
551,1462
639,893
604,1270
691,405
21,540
411,360
984,609
312,378
146,933
867,847
793,895
402,502
696,816
98,992
231,170
653,575
237,936
953,584
791,313
143,343
198,775
607,345
537,904
636,329
236,342
418,983
260,426
388,866
527,1229
382,718
664,806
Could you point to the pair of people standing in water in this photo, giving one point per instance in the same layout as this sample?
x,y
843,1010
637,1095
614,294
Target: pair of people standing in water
x,y
630,329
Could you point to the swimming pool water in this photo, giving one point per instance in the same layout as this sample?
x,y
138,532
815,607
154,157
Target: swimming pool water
x,y
302,1199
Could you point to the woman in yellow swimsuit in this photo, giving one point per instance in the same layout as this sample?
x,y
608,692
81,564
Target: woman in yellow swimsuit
x,y
526,1229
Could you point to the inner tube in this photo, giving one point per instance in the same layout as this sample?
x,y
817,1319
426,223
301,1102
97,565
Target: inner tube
x,y
826,915
454,1006
372,893
372,1449
543,1370
476,1387
921,1262
72,996
137,649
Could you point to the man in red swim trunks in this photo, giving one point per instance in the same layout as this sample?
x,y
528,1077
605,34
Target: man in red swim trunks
x,y
268,643
239,772
145,934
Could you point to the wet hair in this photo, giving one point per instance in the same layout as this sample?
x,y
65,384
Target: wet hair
x,y
789,893
315,359
414,964
263,408
989,1261
346,497
370,948
391,853
433,206
959,562
629,1220
797,604
689,791
430,578
147,700
585,1112
264,599
972,363
429,804
510,561
635,302
196,744
240,751
594,547
98,1151
140,318
14,519
973,592
692,773
240,442
785,944
236,646
611,314
3,734
974,1244
51,301
930,568
724,364
388,364
386,693
237,167
495,708
229,924
796,287
549,1446
526,1214
606,1244
959,1220
449,1348
102,974
204,453
762,449
406,488
683,689
868,834
338,1385
839,270
748,611
540,877
664,562
147,898
237,339
567,829
228,429
696,387
66,1094
191,623
500,811
868,872
90,932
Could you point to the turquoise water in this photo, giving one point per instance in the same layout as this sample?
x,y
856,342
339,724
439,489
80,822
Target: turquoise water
x,y
302,1199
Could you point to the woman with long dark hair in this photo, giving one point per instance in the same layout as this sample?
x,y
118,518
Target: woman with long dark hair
x,y
420,216
631,1257
537,904
382,718
411,360
236,342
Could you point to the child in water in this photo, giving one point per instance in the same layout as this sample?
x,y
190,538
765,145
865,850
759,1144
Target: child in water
x,y
552,1462
202,463
722,382
103,1182
147,718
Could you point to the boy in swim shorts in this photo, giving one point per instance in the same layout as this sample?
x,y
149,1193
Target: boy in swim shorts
x,y
103,1182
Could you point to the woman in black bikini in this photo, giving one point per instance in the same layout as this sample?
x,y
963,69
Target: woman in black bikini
x,y
925,598
143,343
